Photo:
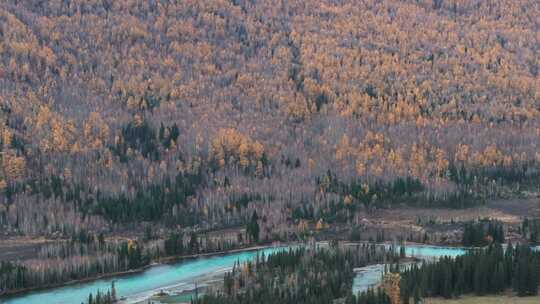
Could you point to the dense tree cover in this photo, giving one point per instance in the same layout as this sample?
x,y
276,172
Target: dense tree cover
x,y
252,228
178,244
72,261
299,275
132,93
370,296
87,255
486,271
530,228
11,275
167,201
408,191
137,136
197,113
482,233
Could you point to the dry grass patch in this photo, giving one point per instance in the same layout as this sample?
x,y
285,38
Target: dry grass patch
x,y
501,299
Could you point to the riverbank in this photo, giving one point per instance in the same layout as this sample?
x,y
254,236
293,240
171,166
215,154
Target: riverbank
x,y
179,258
178,273
159,261
172,278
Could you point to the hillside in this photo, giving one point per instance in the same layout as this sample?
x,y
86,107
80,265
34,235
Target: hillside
x,y
127,127
196,112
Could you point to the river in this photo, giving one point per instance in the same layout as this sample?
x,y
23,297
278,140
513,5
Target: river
x,y
371,275
139,286
182,276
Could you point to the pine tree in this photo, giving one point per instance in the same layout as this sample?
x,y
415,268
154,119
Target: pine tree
x,y
253,227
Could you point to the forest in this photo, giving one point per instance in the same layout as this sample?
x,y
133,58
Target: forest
x,y
263,116
488,271
483,233
89,256
301,275
325,276
531,229
123,111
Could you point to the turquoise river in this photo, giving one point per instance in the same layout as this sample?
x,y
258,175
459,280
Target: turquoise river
x,y
136,287
183,275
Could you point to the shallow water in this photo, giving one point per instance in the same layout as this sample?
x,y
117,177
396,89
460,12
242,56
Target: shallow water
x,y
178,277
367,277
370,276
433,252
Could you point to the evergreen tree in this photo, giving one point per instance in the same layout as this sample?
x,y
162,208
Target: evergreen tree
x,y
253,227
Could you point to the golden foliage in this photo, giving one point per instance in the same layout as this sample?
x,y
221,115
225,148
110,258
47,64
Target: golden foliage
x,y
95,131
232,147
417,89
391,287
320,225
14,166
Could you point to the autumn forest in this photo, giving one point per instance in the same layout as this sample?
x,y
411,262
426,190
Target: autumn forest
x,y
137,129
